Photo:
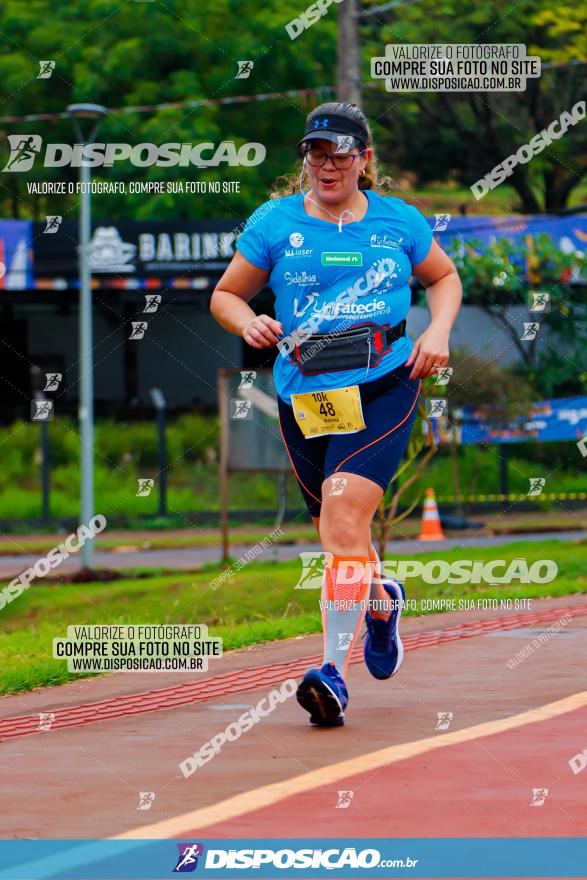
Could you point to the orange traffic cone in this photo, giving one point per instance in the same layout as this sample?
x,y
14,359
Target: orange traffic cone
x,y
431,527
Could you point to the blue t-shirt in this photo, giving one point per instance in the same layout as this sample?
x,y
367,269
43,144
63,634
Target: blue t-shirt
x,y
328,280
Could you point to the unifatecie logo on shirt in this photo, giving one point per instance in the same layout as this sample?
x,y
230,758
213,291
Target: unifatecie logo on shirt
x,y
330,311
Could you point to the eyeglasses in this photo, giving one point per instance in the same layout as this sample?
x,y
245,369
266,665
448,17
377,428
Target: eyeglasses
x,y
342,161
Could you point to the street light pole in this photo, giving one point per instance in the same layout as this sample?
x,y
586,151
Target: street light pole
x,y
94,112
86,366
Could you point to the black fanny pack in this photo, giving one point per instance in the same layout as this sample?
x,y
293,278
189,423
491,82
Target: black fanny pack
x,y
362,346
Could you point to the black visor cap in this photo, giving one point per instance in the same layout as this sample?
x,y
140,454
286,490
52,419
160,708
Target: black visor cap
x,y
339,130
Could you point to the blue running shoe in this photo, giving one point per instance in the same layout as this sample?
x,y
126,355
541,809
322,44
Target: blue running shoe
x,y
383,650
323,693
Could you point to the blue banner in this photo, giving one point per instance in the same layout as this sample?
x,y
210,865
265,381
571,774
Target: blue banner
x,y
570,233
562,419
16,254
291,857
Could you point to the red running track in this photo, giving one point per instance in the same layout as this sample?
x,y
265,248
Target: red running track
x,y
244,680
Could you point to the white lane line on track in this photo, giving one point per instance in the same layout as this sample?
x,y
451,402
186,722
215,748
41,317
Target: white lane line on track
x,y
267,795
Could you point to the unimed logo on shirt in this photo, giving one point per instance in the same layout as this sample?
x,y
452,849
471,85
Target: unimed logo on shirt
x,y
341,258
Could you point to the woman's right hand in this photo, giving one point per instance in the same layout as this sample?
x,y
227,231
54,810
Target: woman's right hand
x,y
262,332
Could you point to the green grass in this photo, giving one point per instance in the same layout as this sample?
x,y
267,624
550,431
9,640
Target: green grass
x,y
292,534
258,604
193,487
127,452
495,522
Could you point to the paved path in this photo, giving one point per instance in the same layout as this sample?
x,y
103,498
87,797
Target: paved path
x,y
193,558
513,729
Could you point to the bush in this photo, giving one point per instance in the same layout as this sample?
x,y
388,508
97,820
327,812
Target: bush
x,y
200,436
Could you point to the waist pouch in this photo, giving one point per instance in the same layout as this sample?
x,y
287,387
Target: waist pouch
x,y
360,347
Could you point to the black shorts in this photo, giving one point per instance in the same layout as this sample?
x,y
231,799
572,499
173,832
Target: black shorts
x,y
389,409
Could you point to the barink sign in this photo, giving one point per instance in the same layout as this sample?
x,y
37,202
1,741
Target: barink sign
x,y
138,248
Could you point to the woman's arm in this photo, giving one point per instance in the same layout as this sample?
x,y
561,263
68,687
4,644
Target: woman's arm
x,y
229,304
439,276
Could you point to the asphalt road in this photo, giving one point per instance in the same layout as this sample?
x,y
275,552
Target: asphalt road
x,y
193,558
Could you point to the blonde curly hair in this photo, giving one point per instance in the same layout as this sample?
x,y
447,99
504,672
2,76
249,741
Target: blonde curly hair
x,y
288,184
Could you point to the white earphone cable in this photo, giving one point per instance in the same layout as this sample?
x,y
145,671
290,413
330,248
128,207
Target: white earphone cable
x,y
339,219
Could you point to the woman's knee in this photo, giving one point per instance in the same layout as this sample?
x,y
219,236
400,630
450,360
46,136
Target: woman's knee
x,y
344,526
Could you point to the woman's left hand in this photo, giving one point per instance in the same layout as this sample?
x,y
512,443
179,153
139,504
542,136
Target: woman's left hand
x,y
430,352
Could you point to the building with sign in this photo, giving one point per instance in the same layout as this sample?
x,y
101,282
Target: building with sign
x,y
152,283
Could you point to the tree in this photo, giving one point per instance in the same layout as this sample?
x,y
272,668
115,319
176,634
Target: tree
x,y
421,448
134,54
496,392
126,55
462,136
504,273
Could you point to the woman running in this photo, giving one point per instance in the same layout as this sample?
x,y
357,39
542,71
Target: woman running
x,y
339,259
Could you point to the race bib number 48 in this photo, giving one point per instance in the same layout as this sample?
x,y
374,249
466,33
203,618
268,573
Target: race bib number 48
x,y
338,411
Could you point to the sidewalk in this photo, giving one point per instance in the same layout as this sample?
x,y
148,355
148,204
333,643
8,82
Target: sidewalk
x,y
190,559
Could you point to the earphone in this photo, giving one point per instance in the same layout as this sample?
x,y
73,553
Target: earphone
x,y
346,211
